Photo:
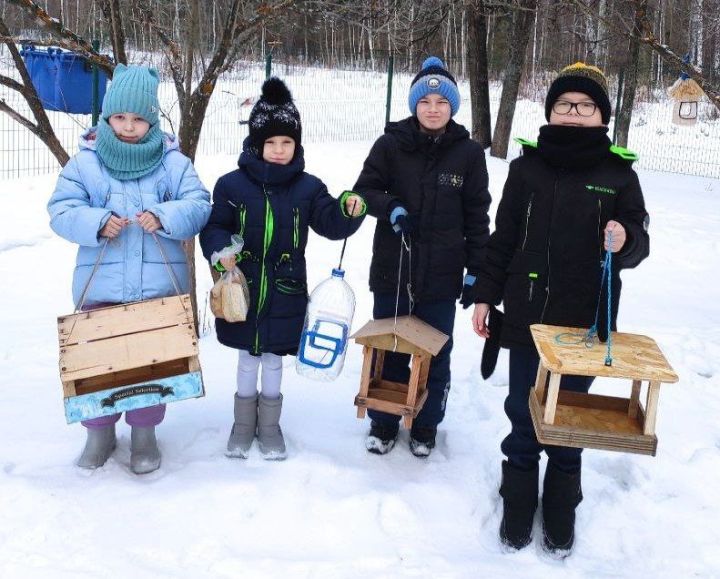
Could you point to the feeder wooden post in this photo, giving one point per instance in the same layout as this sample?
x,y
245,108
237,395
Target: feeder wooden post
x,y
365,378
566,418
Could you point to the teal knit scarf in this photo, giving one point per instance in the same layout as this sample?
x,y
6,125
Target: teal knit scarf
x,y
126,161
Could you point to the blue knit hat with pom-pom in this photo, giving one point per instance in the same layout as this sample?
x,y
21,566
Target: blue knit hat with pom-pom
x,y
434,78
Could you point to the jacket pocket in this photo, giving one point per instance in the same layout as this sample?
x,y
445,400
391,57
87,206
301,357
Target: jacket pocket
x,y
526,288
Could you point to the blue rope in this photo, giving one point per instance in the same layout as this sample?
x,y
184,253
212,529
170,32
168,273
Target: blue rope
x,y
589,337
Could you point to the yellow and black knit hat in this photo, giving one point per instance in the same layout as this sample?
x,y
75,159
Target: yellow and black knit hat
x,y
584,78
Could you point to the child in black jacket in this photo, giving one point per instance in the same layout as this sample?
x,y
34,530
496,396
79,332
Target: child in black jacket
x,y
571,197
424,180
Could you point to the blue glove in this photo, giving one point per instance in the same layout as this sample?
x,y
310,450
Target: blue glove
x,y
402,222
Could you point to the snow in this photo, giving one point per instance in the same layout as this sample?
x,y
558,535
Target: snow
x,y
331,509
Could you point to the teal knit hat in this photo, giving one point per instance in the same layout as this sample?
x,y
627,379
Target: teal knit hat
x,y
133,90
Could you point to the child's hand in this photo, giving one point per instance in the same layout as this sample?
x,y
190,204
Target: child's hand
x,y
228,262
113,226
148,222
353,205
618,236
479,320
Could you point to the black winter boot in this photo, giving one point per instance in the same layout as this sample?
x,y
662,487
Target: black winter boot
x,y
561,495
519,490
422,440
381,438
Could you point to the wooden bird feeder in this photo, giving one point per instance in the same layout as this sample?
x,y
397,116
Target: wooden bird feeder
x,y
579,420
128,356
408,335
687,94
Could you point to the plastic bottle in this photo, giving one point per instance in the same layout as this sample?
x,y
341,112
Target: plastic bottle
x,y
324,339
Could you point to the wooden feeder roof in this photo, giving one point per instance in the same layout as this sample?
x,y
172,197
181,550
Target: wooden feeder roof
x,y
634,356
408,335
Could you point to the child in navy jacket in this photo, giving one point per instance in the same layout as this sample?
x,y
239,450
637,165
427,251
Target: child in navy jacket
x,y
271,203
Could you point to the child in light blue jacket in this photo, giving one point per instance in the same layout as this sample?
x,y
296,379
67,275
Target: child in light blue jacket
x,y
128,192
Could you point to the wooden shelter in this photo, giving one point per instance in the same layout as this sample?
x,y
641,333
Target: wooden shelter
x,y
581,420
128,356
408,335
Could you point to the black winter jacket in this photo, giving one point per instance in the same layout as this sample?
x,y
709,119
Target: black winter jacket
x,y
443,183
544,259
271,207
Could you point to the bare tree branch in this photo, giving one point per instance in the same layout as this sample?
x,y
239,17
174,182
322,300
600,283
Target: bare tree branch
x,y
171,49
65,38
43,129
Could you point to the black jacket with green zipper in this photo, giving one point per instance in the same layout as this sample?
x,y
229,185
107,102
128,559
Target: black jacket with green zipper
x,y
544,259
272,207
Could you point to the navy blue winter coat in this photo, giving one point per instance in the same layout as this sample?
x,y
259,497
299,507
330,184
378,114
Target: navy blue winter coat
x,y
272,206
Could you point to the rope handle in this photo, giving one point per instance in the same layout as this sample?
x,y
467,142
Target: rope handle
x,y
407,245
171,273
589,338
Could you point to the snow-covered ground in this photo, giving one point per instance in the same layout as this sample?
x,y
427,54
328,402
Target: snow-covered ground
x,y
333,510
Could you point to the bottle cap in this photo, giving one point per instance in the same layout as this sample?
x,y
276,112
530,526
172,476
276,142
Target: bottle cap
x,y
338,272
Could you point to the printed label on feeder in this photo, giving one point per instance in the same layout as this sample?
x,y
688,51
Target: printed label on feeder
x,y
111,400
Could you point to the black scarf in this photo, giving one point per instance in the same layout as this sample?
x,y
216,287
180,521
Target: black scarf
x,y
573,147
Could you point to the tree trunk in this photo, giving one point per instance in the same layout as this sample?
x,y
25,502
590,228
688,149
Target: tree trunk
x,y
522,25
624,115
478,73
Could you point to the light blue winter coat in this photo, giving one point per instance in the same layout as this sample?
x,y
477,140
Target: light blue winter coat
x,y
132,266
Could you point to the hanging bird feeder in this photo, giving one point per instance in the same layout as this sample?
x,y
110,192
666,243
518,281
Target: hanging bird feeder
x,y
687,94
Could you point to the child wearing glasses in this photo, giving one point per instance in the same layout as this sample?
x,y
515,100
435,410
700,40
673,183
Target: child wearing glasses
x,y
571,197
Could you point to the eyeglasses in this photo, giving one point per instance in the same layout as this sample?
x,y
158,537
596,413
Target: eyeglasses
x,y
584,109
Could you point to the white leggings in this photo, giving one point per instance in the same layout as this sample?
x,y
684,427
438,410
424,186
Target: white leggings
x,y
247,374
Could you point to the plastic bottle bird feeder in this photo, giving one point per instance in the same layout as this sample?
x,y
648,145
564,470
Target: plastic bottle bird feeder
x,y
579,420
408,335
62,79
128,356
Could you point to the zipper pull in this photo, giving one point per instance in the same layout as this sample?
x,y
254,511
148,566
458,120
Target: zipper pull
x,y
533,277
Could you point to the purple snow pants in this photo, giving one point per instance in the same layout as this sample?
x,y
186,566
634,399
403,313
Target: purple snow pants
x,y
142,417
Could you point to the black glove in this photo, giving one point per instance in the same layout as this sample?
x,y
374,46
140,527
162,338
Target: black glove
x,y
492,344
467,298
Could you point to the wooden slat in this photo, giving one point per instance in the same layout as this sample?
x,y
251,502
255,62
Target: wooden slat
x,y
412,391
424,371
552,396
599,401
134,376
388,385
69,389
378,365
124,319
651,407
365,377
126,352
634,356
634,402
541,382
592,428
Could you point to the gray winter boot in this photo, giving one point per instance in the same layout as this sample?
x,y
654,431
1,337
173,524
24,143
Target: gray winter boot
x,y
144,452
243,430
98,447
270,437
